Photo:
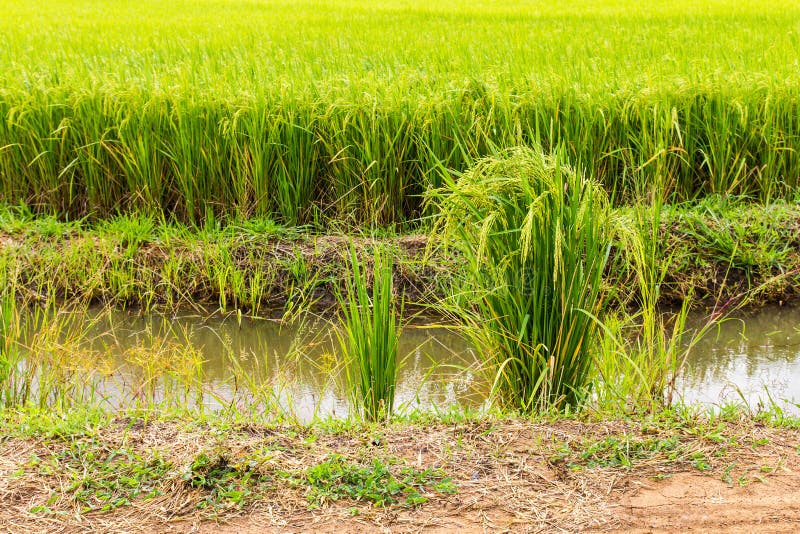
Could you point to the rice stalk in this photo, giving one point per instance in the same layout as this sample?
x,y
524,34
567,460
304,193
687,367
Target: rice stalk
x,y
535,236
370,330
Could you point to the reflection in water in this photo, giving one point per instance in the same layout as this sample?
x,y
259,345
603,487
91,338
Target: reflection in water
x,y
256,363
752,358
298,364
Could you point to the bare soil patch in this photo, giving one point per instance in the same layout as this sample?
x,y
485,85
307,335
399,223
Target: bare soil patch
x,y
690,502
514,476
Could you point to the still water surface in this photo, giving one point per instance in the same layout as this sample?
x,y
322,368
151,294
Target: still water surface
x,y
750,359
753,358
299,364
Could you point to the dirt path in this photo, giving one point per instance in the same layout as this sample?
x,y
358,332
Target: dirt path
x,y
510,476
703,504
687,502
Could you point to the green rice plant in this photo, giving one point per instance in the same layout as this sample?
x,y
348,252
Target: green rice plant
x,y
177,110
8,356
642,353
370,329
535,236
296,167
644,366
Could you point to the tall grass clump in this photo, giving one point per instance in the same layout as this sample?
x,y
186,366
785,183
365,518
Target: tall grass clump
x,y
645,351
369,335
7,357
535,236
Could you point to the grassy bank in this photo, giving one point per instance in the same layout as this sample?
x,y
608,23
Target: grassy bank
x,y
204,110
163,459
716,251
88,470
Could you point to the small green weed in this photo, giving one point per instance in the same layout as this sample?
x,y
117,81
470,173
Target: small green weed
x,y
227,484
726,475
99,479
336,479
623,451
700,462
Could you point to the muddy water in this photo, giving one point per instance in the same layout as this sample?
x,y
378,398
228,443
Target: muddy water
x,y
754,358
298,365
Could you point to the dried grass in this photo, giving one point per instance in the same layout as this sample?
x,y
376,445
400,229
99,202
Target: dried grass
x,y
507,475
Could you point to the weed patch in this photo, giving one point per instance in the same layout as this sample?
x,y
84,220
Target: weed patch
x,y
225,483
97,478
378,483
627,451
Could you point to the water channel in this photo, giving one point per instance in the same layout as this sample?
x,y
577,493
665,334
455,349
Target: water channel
x,y
753,359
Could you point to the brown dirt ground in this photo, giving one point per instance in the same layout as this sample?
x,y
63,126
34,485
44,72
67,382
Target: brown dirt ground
x,y
512,476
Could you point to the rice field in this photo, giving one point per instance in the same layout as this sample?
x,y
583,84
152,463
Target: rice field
x,y
287,263
308,112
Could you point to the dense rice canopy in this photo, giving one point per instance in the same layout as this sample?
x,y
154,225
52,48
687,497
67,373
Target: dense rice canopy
x,y
236,50
306,111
